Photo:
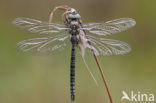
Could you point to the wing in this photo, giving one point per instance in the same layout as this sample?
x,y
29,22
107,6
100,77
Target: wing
x,y
102,46
44,45
110,27
36,26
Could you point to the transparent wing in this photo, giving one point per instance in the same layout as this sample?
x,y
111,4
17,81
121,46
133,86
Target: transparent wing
x,y
36,26
44,45
110,27
102,46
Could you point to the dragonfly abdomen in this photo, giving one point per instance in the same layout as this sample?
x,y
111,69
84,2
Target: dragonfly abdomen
x,y
72,73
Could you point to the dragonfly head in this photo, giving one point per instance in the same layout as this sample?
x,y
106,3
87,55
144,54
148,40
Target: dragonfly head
x,y
73,15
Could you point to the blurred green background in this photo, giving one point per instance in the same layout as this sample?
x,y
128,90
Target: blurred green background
x,y
28,78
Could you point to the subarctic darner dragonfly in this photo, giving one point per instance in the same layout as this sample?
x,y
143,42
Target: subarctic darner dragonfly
x,y
81,35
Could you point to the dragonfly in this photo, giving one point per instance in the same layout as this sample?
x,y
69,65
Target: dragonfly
x,y
82,36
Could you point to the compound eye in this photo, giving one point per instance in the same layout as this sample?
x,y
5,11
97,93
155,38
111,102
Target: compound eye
x,y
70,16
77,16
73,16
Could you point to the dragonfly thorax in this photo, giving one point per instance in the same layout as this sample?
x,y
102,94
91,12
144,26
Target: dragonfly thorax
x,y
74,31
74,28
